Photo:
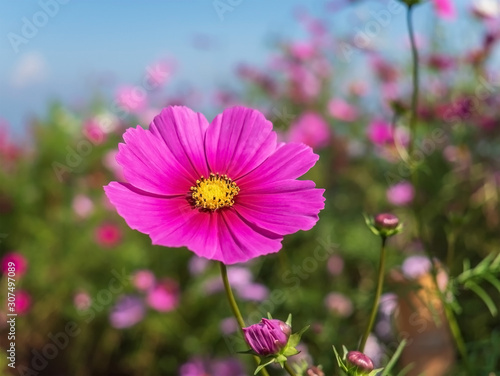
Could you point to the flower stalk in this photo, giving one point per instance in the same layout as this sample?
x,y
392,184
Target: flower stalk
x,y
415,78
378,293
235,309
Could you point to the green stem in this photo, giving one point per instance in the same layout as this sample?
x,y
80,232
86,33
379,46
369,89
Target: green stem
x,y
235,309
289,370
380,284
414,98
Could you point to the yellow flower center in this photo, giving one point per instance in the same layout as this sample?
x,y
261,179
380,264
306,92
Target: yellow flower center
x,y
218,191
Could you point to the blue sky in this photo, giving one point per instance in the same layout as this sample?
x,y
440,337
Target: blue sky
x,y
83,40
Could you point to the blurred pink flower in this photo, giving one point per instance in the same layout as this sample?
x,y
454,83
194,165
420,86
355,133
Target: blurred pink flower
x,y
82,301
380,132
241,280
20,263
310,129
302,50
164,297
82,206
373,349
212,367
111,164
23,302
305,86
197,265
253,292
339,304
143,280
342,110
486,9
335,265
131,98
108,235
92,130
128,311
401,194
158,74
445,9
416,266
229,325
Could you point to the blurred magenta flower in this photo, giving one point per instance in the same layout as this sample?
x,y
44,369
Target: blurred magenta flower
x,y
128,311
197,265
445,9
23,302
20,263
164,297
82,206
108,235
401,194
226,190
131,98
241,280
339,304
228,326
92,130
143,280
340,109
335,265
267,337
373,349
311,129
380,132
212,367
109,160
82,301
158,73
302,50
416,266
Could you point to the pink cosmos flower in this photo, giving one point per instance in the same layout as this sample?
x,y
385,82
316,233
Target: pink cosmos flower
x,y
401,194
23,302
226,190
380,132
127,311
132,98
311,129
445,9
82,206
164,297
108,235
82,301
20,263
342,110
143,280
339,304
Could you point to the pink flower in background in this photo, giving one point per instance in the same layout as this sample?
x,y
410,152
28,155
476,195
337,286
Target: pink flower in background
x,y
401,194
305,86
311,129
197,265
128,311
335,265
132,98
212,367
92,130
109,161
143,280
20,263
339,304
226,190
158,73
82,301
342,110
445,9
380,132
241,280
164,297
108,235
82,206
302,50
229,325
416,266
23,301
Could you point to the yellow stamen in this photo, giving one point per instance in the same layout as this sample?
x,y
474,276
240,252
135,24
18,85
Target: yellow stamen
x,y
218,191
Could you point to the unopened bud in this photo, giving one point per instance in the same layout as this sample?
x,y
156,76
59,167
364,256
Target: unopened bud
x,y
360,361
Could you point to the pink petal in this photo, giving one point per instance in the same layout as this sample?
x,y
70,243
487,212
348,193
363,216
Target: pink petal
x,y
149,165
183,131
282,207
150,214
238,140
289,161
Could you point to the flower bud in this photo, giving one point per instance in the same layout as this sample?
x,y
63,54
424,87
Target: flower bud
x,y
267,337
386,221
360,361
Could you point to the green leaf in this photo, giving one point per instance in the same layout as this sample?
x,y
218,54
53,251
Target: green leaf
x,y
484,297
259,368
289,320
491,279
269,316
290,351
295,338
339,360
375,371
394,358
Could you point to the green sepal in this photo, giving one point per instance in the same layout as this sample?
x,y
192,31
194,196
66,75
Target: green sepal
x,y
259,368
